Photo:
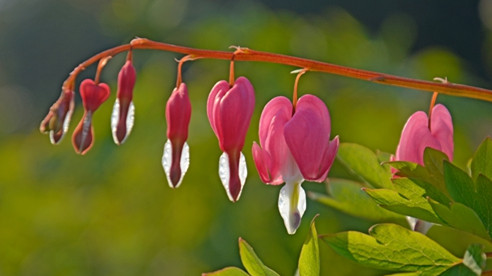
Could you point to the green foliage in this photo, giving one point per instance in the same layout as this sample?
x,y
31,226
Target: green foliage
x,y
251,262
228,271
481,162
365,164
437,192
309,263
393,247
347,196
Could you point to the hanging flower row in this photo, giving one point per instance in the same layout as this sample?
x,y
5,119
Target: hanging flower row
x,y
294,136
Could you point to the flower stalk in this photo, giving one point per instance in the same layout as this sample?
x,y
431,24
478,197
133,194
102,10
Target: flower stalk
x,y
245,54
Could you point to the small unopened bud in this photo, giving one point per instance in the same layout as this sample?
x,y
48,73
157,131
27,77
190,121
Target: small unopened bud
x,y
58,118
123,110
93,95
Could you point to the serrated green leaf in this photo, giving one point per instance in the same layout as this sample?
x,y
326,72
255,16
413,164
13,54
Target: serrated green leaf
x,y
430,176
228,271
408,199
309,258
365,164
348,197
463,190
460,217
251,262
475,258
482,160
393,247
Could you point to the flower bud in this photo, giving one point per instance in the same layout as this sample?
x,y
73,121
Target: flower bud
x,y
93,95
123,110
176,157
58,118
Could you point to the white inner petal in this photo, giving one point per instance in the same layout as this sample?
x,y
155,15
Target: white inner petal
x,y
115,115
292,204
184,162
167,162
224,173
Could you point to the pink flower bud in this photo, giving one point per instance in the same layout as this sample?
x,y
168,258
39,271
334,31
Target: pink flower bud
x,y
57,121
229,111
417,135
123,110
295,147
93,95
175,159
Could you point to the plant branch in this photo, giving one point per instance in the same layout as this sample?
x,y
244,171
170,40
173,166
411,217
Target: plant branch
x,y
245,54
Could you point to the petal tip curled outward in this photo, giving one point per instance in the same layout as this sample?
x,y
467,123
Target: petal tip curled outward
x,y
176,157
123,114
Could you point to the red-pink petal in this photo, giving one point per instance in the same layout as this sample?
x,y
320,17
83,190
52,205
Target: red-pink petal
x,y
230,113
126,82
274,116
442,129
307,135
415,137
217,92
56,121
93,95
178,114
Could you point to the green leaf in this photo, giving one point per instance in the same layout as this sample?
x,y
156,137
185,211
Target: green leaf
x,y
430,176
408,199
251,262
406,274
228,271
460,217
393,247
456,241
365,164
482,160
309,258
462,189
458,270
348,197
475,258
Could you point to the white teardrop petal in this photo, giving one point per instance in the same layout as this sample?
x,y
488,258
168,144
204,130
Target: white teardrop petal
x,y
292,204
115,115
184,162
224,173
167,161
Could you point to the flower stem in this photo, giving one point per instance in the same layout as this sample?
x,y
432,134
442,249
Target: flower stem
x,y
246,54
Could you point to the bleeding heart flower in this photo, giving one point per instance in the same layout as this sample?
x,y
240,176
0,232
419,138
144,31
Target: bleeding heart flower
x,y
57,121
176,157
418,134
229,111
123,110
93,95
296,147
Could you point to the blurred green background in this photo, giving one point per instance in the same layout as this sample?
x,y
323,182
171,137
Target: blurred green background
x,y
111,212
